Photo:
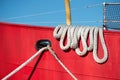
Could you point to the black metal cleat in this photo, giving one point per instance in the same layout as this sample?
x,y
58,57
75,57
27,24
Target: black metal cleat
x,y
42,43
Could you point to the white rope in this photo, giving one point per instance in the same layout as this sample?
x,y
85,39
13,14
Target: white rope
x,y
36,54
59,61
24,64
76,34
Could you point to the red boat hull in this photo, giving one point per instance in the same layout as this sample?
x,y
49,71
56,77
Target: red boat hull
x,y
17,44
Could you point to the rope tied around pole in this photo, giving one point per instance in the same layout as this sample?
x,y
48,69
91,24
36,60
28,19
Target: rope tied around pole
x,y
76,34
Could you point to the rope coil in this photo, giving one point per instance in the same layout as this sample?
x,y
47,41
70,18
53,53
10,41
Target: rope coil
x,y
76,34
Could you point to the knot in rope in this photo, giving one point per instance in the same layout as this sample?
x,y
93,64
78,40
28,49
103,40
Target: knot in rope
x,y
75,34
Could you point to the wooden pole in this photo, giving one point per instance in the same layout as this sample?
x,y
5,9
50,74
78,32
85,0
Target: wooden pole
x,y
68,14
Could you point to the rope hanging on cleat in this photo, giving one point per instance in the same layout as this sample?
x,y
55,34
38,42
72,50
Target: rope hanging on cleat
x,y
76,34
42,45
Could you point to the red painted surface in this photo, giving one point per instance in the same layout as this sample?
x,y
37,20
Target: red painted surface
x,y
17,44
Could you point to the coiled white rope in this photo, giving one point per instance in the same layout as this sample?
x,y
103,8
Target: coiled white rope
x,y
76,34
35,55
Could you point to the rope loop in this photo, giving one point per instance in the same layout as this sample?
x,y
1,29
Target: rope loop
x,y
76,34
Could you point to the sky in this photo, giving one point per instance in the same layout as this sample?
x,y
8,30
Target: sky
x,y
52,12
